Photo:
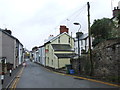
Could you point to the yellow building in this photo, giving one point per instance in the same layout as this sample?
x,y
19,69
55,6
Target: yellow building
x,y
59,50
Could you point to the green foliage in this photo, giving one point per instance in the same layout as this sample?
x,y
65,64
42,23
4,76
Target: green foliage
x,y
96,41
118,19
102,29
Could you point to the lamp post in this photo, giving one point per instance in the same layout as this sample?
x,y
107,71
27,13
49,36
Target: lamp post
x,y
78,43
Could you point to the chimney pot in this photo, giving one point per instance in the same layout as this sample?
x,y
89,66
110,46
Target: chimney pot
x,y
8,31
63,29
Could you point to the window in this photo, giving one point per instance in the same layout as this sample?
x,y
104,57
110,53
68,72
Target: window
x,y
58,39
39,59
48,46
69,40
81,48
48,60
81,42
86,42
52,62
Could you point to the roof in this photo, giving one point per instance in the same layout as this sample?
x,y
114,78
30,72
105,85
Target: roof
x,y
65,55
62,47
83,37
54,38
2,30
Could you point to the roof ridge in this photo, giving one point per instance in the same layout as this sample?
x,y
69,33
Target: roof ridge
x,y
57,36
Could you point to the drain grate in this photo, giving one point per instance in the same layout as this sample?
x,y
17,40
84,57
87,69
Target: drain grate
x,y
78,78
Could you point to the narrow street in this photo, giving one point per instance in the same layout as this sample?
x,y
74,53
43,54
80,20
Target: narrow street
x,y
36,76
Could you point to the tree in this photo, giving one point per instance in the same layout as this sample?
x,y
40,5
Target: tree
x,y
118,19
101,30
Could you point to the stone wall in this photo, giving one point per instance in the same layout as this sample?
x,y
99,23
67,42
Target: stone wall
x,y
83,63
106,58
106,61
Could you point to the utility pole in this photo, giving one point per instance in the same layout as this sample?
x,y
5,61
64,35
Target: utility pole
x,y
89,35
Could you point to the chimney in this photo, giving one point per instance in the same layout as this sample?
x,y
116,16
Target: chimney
x,y
63,29
8,31
50,37
117,7
116,12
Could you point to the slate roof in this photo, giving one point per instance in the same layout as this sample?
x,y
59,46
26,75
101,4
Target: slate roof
x,y
66,55
83,37
62,47
2,30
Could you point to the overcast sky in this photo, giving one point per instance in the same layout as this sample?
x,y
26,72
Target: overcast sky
x,y
32,21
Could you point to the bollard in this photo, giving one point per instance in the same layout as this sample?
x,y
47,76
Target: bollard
x,y
10,72
2,79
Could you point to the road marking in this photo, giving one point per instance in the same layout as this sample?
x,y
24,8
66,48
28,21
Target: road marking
x,y
110,84
18,77
13,86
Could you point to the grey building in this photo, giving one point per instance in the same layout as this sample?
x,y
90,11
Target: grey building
x,y
9,48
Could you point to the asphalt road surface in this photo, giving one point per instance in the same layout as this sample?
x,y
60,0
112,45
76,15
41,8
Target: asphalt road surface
x,y
36,76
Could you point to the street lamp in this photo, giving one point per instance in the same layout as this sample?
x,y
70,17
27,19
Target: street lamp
x,y
77,24
78,42
78,37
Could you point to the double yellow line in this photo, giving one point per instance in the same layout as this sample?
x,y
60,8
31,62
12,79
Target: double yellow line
x,y
13,86
93,80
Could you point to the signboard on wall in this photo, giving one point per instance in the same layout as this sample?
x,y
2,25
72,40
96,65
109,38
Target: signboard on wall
x,y
46,50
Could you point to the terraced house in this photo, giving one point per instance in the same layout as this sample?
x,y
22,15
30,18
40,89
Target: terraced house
x,y
59,49
11,49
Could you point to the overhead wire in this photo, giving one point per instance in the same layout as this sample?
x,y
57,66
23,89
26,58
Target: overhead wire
x,y
74,14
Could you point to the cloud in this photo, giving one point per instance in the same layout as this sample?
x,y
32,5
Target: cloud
x,y
32,21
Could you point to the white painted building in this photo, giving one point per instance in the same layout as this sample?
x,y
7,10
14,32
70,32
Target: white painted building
x,y
35,53
42,55
83,43
20,53
37,56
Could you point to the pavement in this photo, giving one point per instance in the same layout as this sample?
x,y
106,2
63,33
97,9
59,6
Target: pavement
x,y
8,79
36,76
